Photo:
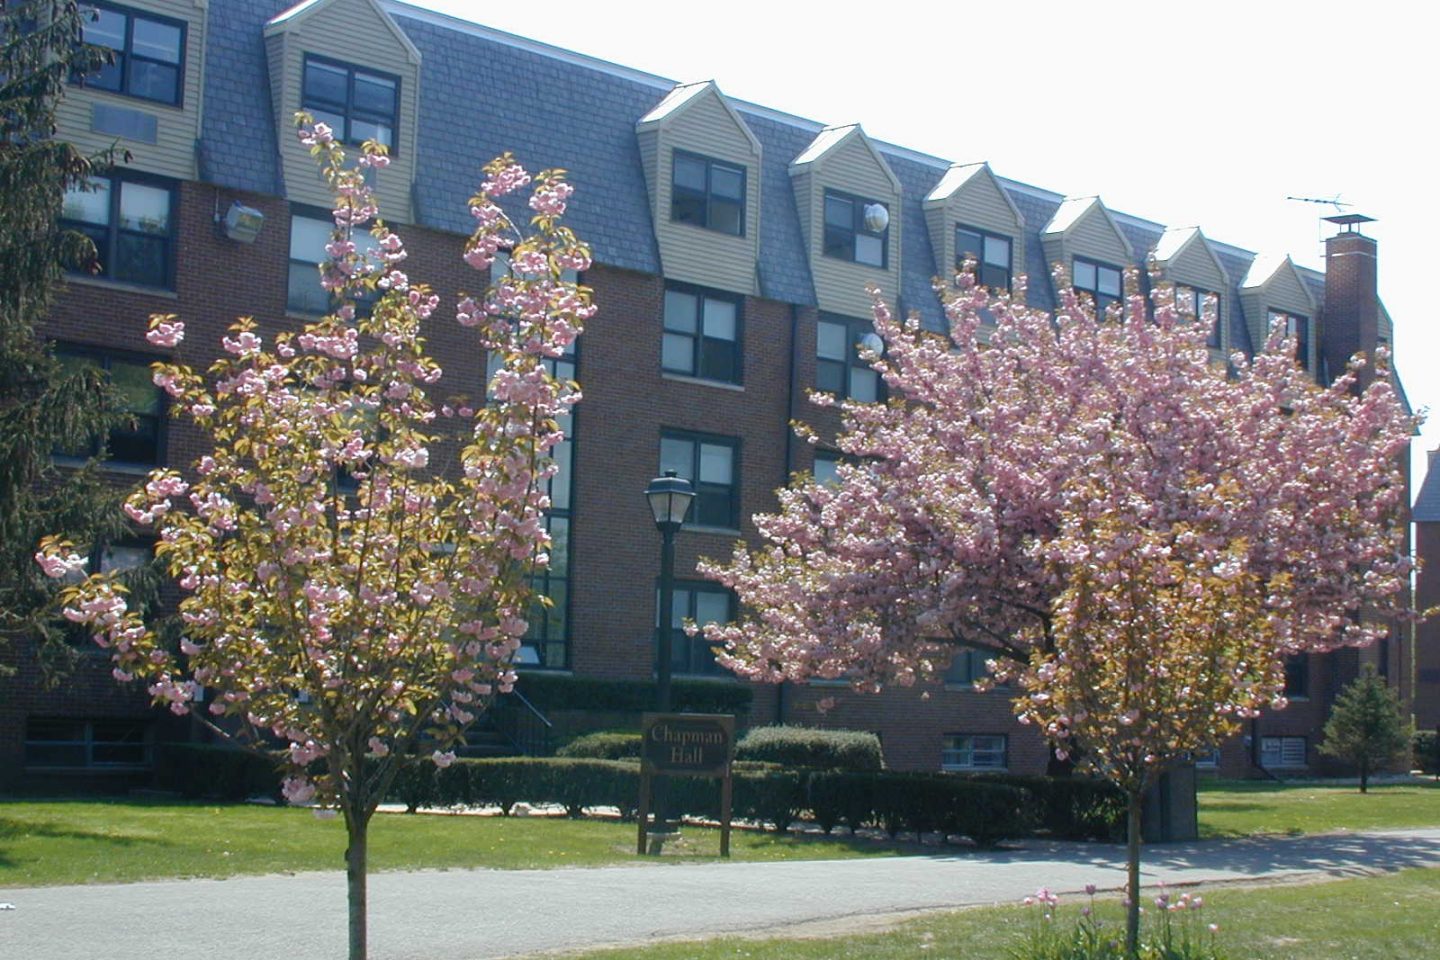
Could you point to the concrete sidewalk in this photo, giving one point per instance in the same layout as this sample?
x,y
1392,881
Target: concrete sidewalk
x,y
477,914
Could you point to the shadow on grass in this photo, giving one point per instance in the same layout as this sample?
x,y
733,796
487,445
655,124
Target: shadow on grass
x,y
12,830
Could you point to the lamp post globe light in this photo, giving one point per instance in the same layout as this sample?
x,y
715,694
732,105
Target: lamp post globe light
x,y
670,497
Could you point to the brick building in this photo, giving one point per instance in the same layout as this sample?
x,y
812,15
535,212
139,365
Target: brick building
x,y
732,247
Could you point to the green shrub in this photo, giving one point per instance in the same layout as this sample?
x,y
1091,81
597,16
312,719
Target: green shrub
x,y
414,786
1427,751
558,692
605,745
215,771
1070,808
812,748
922,803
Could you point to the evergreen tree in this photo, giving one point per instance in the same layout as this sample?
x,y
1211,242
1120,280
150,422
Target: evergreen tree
x,y
1366,727
44,405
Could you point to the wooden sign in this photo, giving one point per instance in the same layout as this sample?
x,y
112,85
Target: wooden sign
x,y
689,745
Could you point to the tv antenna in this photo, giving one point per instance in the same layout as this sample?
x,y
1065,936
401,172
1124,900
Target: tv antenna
x,y
1334,201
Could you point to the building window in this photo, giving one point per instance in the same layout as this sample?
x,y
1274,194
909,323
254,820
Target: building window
x,y
140,442
358,104
846,235
1196,304
1206,759
703,603
710,464
1298,327
82,744
131,224
1297,677
702,334
708,193
974,752
967,666
310,233
1100,282
1278,753
839,368
546,644
148,53
990,252
827,467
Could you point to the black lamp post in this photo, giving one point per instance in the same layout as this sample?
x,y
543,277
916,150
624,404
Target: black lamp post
x,y
670,498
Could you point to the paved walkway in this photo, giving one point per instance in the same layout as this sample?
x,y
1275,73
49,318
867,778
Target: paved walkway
x,y
481,914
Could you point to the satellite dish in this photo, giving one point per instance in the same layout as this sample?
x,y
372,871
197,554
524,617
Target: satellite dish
x,y
873,343
877,218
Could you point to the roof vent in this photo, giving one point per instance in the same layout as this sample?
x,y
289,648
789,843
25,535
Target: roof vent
x,y
1349,222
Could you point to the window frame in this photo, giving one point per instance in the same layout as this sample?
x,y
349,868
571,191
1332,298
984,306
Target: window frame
x,y
974,659
1297,677
981,262
707,196
87,743
853,360
698,338
104,252
951,749
1297,325
1197,295
854,231
1283,743
693,651
1094,293
351,70
104,357
696,439
127,55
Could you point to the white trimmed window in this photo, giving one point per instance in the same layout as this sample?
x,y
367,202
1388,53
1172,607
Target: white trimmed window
x,y
974,751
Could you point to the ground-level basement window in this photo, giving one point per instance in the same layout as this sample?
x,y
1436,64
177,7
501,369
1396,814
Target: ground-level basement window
x,y
87,744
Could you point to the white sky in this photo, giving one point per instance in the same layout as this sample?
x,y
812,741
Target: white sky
x,y
1206,114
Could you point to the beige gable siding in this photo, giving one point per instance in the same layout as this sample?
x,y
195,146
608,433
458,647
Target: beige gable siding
x,y
695,254
649,143
176,128
1282,291
940,226
370,42
1093,238
840,284
1194,267
978,204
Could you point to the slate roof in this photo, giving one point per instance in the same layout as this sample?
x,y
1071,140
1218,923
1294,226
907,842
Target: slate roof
x,y
483,91
237,136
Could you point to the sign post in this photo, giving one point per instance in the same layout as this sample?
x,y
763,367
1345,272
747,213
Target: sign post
x,y
686,744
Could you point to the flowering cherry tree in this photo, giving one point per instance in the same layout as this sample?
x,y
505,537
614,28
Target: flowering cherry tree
x,y
1136,536
355,554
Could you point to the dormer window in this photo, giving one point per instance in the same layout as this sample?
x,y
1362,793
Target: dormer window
x,y
1102,283
708,193
1194,303
358,104
1298,327
148,53
857,229
991,253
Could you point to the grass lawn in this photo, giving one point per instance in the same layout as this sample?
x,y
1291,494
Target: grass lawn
x,y
1381,918
61,842
1244,808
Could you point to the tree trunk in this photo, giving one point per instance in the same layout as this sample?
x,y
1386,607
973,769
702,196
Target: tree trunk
x,y
1132,885
355,880
1364,775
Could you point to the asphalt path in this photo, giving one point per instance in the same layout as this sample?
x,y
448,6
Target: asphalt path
x,y
481,914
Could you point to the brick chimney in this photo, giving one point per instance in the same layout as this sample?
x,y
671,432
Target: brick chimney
x,y
1351,320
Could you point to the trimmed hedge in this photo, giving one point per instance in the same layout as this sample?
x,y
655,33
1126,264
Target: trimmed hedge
x,y
1427,751
604,745
922,802
215,771
1070,808
812,748
548,691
